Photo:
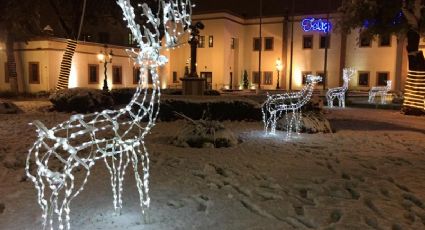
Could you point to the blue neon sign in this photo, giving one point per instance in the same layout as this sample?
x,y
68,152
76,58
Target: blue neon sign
x,y
316,24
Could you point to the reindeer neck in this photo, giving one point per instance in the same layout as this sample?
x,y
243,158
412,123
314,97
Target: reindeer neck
x,y
345,85
306,93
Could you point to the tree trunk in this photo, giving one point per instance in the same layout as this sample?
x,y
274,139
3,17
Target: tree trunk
x,y
414,99
11,65
66,65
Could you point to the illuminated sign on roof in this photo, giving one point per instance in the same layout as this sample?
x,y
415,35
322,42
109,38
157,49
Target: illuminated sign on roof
x,y
316,24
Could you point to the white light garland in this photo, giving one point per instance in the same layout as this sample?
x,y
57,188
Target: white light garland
x,y
339,92
114,136
278,104
414,95
381,91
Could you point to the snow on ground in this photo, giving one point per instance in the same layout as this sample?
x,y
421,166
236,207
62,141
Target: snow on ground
x,y
368,175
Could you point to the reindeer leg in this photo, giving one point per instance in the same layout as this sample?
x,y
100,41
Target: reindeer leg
x,y
142,181
121,173
37,180
113,171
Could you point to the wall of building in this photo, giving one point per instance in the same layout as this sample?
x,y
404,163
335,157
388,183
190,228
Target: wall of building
x,y
48,53
271,27
221,59
313,60
371,59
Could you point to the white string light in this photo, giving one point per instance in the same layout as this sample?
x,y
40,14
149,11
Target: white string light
x,y
278,104
414,90
339,92
381,91
114,136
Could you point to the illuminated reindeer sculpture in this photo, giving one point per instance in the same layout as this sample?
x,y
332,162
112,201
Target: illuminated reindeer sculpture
x,y
113,136
381,91
340,92
277,104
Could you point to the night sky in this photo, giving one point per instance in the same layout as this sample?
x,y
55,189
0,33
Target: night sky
x,y
250,8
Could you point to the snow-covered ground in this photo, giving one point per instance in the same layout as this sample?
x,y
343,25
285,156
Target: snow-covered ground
x,y
370,174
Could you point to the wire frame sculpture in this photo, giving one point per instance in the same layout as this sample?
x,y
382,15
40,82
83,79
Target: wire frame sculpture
x,y
278,105
339,92
381,91
60,161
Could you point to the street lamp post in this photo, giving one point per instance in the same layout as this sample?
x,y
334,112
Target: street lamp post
x,y
279,68
105,58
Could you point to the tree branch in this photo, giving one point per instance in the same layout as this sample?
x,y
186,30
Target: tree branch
x,y
412,20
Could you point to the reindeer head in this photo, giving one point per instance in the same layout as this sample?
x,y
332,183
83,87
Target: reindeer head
x,y
348,74
176,18
313,79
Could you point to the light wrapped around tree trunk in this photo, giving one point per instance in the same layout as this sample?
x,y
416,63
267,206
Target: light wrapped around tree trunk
x,y
414,95
66,65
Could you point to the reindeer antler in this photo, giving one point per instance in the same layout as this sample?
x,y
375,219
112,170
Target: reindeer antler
x,y
175,12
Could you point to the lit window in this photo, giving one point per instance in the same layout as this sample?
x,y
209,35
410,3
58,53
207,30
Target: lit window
x,y
136,75
117,75
307,42
325,41
255,77
6,73
257,44
365,41
268,43
34,73
384,40
382,78
130,39
175,79
304,76
364,78
210,41
268,78
201,43
93,74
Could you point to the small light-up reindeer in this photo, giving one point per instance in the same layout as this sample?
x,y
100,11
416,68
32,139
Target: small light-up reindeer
x,y
340,92
278,104
113,136
381,91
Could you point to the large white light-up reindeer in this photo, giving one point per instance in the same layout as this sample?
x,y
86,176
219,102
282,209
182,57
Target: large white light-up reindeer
x,y
381,91
60,161
280,104
340,92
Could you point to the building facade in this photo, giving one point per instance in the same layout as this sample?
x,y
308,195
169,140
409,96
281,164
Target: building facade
x,y
229,46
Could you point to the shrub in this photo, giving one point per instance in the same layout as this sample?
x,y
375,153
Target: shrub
x,y
122,95
211,92
81,100
235,109
8,94
172,91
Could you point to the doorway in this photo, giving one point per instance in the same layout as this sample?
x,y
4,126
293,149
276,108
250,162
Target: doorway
x,y
208,77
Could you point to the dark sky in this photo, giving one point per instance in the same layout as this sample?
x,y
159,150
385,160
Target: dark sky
x,y
250,8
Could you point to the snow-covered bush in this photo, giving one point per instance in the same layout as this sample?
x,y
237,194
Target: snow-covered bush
x,y
213,109
7,107
211,92
81,100
122,95
204,134
311,122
